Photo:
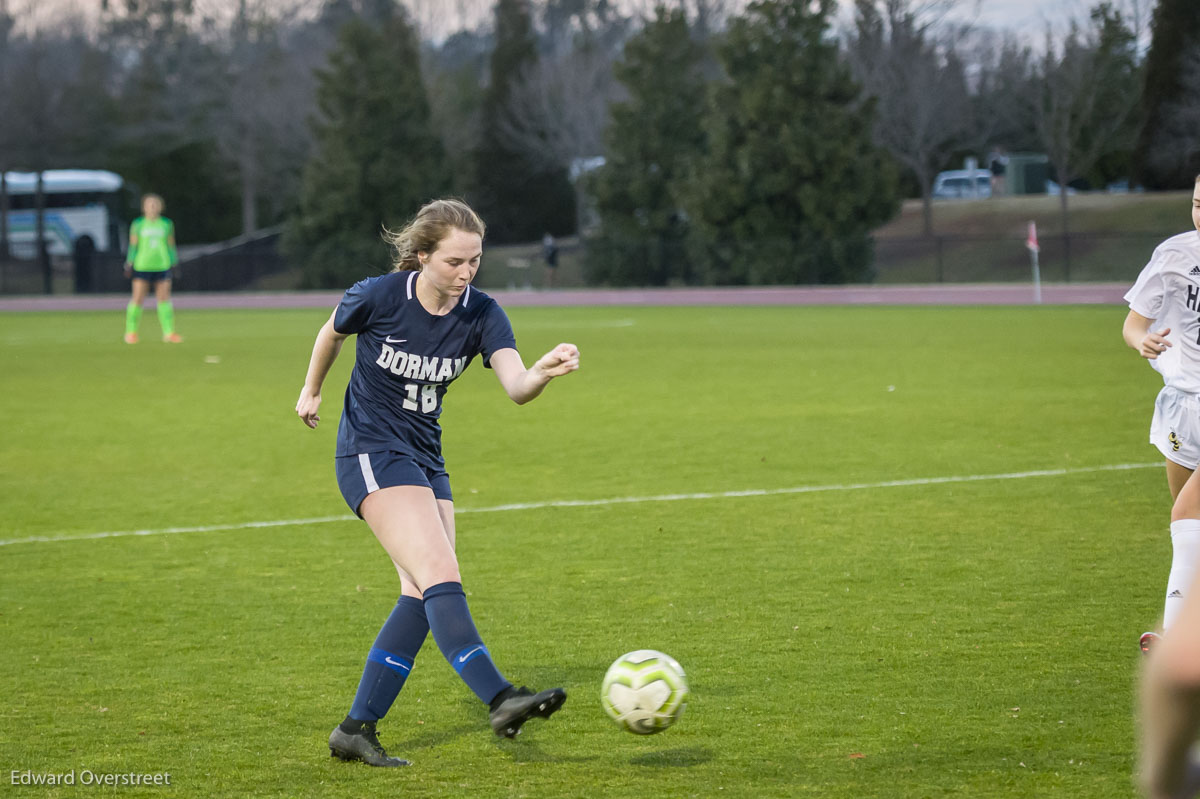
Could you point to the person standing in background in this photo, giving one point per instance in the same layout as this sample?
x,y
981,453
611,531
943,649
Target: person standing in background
x,y
550,254
998,166
151,257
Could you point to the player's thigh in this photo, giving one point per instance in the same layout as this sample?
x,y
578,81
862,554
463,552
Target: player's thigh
x,y
140,289
162,290
446,511
1187,502
408,523
1177,477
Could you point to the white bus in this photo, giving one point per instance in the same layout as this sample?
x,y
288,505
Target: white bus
x,y
82,211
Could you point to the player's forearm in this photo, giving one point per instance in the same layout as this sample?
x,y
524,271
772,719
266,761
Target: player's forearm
x,y
325,352
1135,329
527,386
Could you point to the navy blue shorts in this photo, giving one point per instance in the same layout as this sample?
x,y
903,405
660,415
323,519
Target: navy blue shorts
x,y
359,475
153,277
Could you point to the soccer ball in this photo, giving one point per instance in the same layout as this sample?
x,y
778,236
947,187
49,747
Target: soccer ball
x,y
644,692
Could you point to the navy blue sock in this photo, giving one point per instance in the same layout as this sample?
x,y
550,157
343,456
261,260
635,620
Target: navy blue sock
x,y
454,631
390,659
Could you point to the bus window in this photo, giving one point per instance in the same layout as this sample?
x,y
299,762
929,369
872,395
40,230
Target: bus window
x,y
80,203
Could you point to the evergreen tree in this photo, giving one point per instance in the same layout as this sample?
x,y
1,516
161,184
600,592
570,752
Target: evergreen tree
x,y
792,184
519,200
455,72
376,158
651,139
1109,140
1175,30
161,141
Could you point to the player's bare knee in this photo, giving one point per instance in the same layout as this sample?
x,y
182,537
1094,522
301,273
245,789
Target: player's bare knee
x,y
1185,508
436,572
439,577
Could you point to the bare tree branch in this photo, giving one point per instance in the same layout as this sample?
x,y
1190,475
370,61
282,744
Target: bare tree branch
x,y
915,76
558,109
1086,99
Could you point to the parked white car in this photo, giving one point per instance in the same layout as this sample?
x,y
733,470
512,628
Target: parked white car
x,y
963,183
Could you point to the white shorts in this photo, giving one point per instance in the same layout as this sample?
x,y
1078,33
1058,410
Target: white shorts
x,y
1175,428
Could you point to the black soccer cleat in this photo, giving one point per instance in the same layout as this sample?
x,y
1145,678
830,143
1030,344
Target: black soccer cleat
x,y
514,706
363,745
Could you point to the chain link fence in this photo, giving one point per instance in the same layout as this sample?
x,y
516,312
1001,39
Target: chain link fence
x,y
1078,258
237,266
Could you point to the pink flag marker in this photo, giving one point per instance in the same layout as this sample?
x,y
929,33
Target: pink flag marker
x,y
1031,244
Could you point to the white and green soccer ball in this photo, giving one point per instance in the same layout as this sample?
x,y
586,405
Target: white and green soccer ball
x,y
644,692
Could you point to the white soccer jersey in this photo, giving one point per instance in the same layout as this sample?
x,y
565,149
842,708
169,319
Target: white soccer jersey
x,y
1168,291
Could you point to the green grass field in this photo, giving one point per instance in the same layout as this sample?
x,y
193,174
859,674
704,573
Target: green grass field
x,y
878,632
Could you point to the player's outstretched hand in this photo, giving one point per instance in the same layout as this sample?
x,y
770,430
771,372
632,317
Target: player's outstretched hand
x,y
307,407
1155,344
559,361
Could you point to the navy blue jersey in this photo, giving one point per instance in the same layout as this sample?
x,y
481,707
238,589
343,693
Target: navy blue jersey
x,y
404,359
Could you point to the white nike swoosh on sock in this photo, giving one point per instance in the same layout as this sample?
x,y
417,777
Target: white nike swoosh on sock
x,y
463,658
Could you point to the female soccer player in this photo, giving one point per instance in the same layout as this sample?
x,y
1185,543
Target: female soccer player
x,y
151,256
1167,297
418,328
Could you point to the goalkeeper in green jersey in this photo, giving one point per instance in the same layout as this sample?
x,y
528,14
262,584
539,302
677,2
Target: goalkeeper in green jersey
x,y
151,256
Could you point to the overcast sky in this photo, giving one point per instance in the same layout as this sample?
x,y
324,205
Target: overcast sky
x,y
1032,18
1026,18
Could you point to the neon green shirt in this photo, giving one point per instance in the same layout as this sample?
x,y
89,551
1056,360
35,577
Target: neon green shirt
x,y
151,247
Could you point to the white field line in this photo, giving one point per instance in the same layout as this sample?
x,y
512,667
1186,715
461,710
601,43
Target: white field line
x,y
584,503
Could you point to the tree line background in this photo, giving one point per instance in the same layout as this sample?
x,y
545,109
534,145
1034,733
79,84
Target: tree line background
x,y
694,141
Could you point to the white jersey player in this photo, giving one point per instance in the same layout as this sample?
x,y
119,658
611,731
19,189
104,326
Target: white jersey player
x,y
1163,325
